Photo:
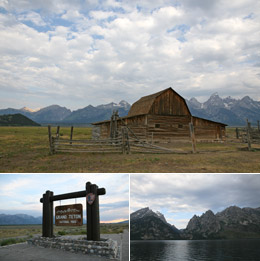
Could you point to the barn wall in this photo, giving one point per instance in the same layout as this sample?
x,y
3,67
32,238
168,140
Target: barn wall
x,y
169,103
168,127
205,129
159,127
105,130
138,125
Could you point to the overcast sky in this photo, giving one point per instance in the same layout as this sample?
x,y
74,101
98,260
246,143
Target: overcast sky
x,y
180,196
20,194
81,52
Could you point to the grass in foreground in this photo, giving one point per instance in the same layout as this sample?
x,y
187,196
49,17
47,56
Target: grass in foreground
x,y
26,150
20,233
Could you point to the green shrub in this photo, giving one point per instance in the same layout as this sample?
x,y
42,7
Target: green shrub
x,y
11,241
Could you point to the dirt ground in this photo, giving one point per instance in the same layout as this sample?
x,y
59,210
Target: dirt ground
x,y
26,150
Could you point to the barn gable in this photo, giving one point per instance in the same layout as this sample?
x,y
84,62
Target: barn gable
x,y
166,102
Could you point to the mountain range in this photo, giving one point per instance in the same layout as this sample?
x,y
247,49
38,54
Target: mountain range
x,y
233,222
56,114
24,219
19,219
228,110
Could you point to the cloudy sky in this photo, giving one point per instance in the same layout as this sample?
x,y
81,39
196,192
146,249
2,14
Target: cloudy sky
x,y
180,196
81,52
20,194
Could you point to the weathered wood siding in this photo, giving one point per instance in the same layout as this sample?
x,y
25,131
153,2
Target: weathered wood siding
x,y
169,103
168,127
138,125
105,130
205,129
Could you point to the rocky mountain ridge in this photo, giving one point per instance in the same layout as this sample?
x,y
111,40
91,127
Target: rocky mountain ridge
x,y
148,225
227,110
233,222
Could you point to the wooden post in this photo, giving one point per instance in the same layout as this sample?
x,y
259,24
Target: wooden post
x,y
237,133
258,126
248,135
47,218
93,222
58,132
192,135
127,142
50,139
71,134
123,140
152,137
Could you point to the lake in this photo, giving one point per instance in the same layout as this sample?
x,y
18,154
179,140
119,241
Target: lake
x,y
166,250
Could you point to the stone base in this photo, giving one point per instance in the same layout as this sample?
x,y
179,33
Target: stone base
x,y
106,247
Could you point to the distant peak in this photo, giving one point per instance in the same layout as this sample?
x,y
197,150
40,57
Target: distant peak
x,y
215,94
30,110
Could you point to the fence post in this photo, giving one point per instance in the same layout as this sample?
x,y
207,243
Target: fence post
x,y
123,140
258,126
192,135
248,134
237,133
50,139
127,142
58,132
71,134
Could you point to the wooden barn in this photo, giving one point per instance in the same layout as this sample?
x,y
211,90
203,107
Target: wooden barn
x,y
162,116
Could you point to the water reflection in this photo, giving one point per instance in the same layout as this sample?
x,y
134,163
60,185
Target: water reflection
x,y
223,250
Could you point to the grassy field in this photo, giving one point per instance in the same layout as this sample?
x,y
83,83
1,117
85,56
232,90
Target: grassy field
x,y
26,150
20,233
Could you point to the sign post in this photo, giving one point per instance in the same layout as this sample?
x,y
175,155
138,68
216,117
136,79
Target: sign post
x,y
92,193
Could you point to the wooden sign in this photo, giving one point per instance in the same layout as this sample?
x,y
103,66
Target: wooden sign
x,y
69,215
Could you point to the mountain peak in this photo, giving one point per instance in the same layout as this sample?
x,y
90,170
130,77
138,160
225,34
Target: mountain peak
x,y
215,94
29,110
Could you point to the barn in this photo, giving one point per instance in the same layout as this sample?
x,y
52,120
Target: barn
x,y
161,116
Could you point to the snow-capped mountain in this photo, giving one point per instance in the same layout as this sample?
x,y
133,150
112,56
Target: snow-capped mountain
x,y
227,110
147,224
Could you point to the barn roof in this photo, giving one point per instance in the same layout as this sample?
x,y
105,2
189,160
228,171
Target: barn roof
x,y
144,104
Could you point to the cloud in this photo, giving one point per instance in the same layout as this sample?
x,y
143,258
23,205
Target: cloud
x,y
22,193
96,52
180,195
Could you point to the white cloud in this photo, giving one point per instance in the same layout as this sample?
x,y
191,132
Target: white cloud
x,y
22,193
92,53
33,17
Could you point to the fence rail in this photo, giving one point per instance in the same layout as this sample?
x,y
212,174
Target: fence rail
x,y
122,142
249,134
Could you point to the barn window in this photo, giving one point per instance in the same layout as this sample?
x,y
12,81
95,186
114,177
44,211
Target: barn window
x,y
180,126
157,125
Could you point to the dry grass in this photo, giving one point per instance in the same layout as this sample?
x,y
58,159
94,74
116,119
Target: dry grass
x,y
20,233
26,150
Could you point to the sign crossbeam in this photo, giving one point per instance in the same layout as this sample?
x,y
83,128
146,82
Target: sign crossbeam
x,y
78,194
92,206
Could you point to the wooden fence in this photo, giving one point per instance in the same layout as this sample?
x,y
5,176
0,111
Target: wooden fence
x,y
124,141
249,134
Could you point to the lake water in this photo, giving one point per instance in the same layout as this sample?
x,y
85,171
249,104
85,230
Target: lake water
x,y
210,250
